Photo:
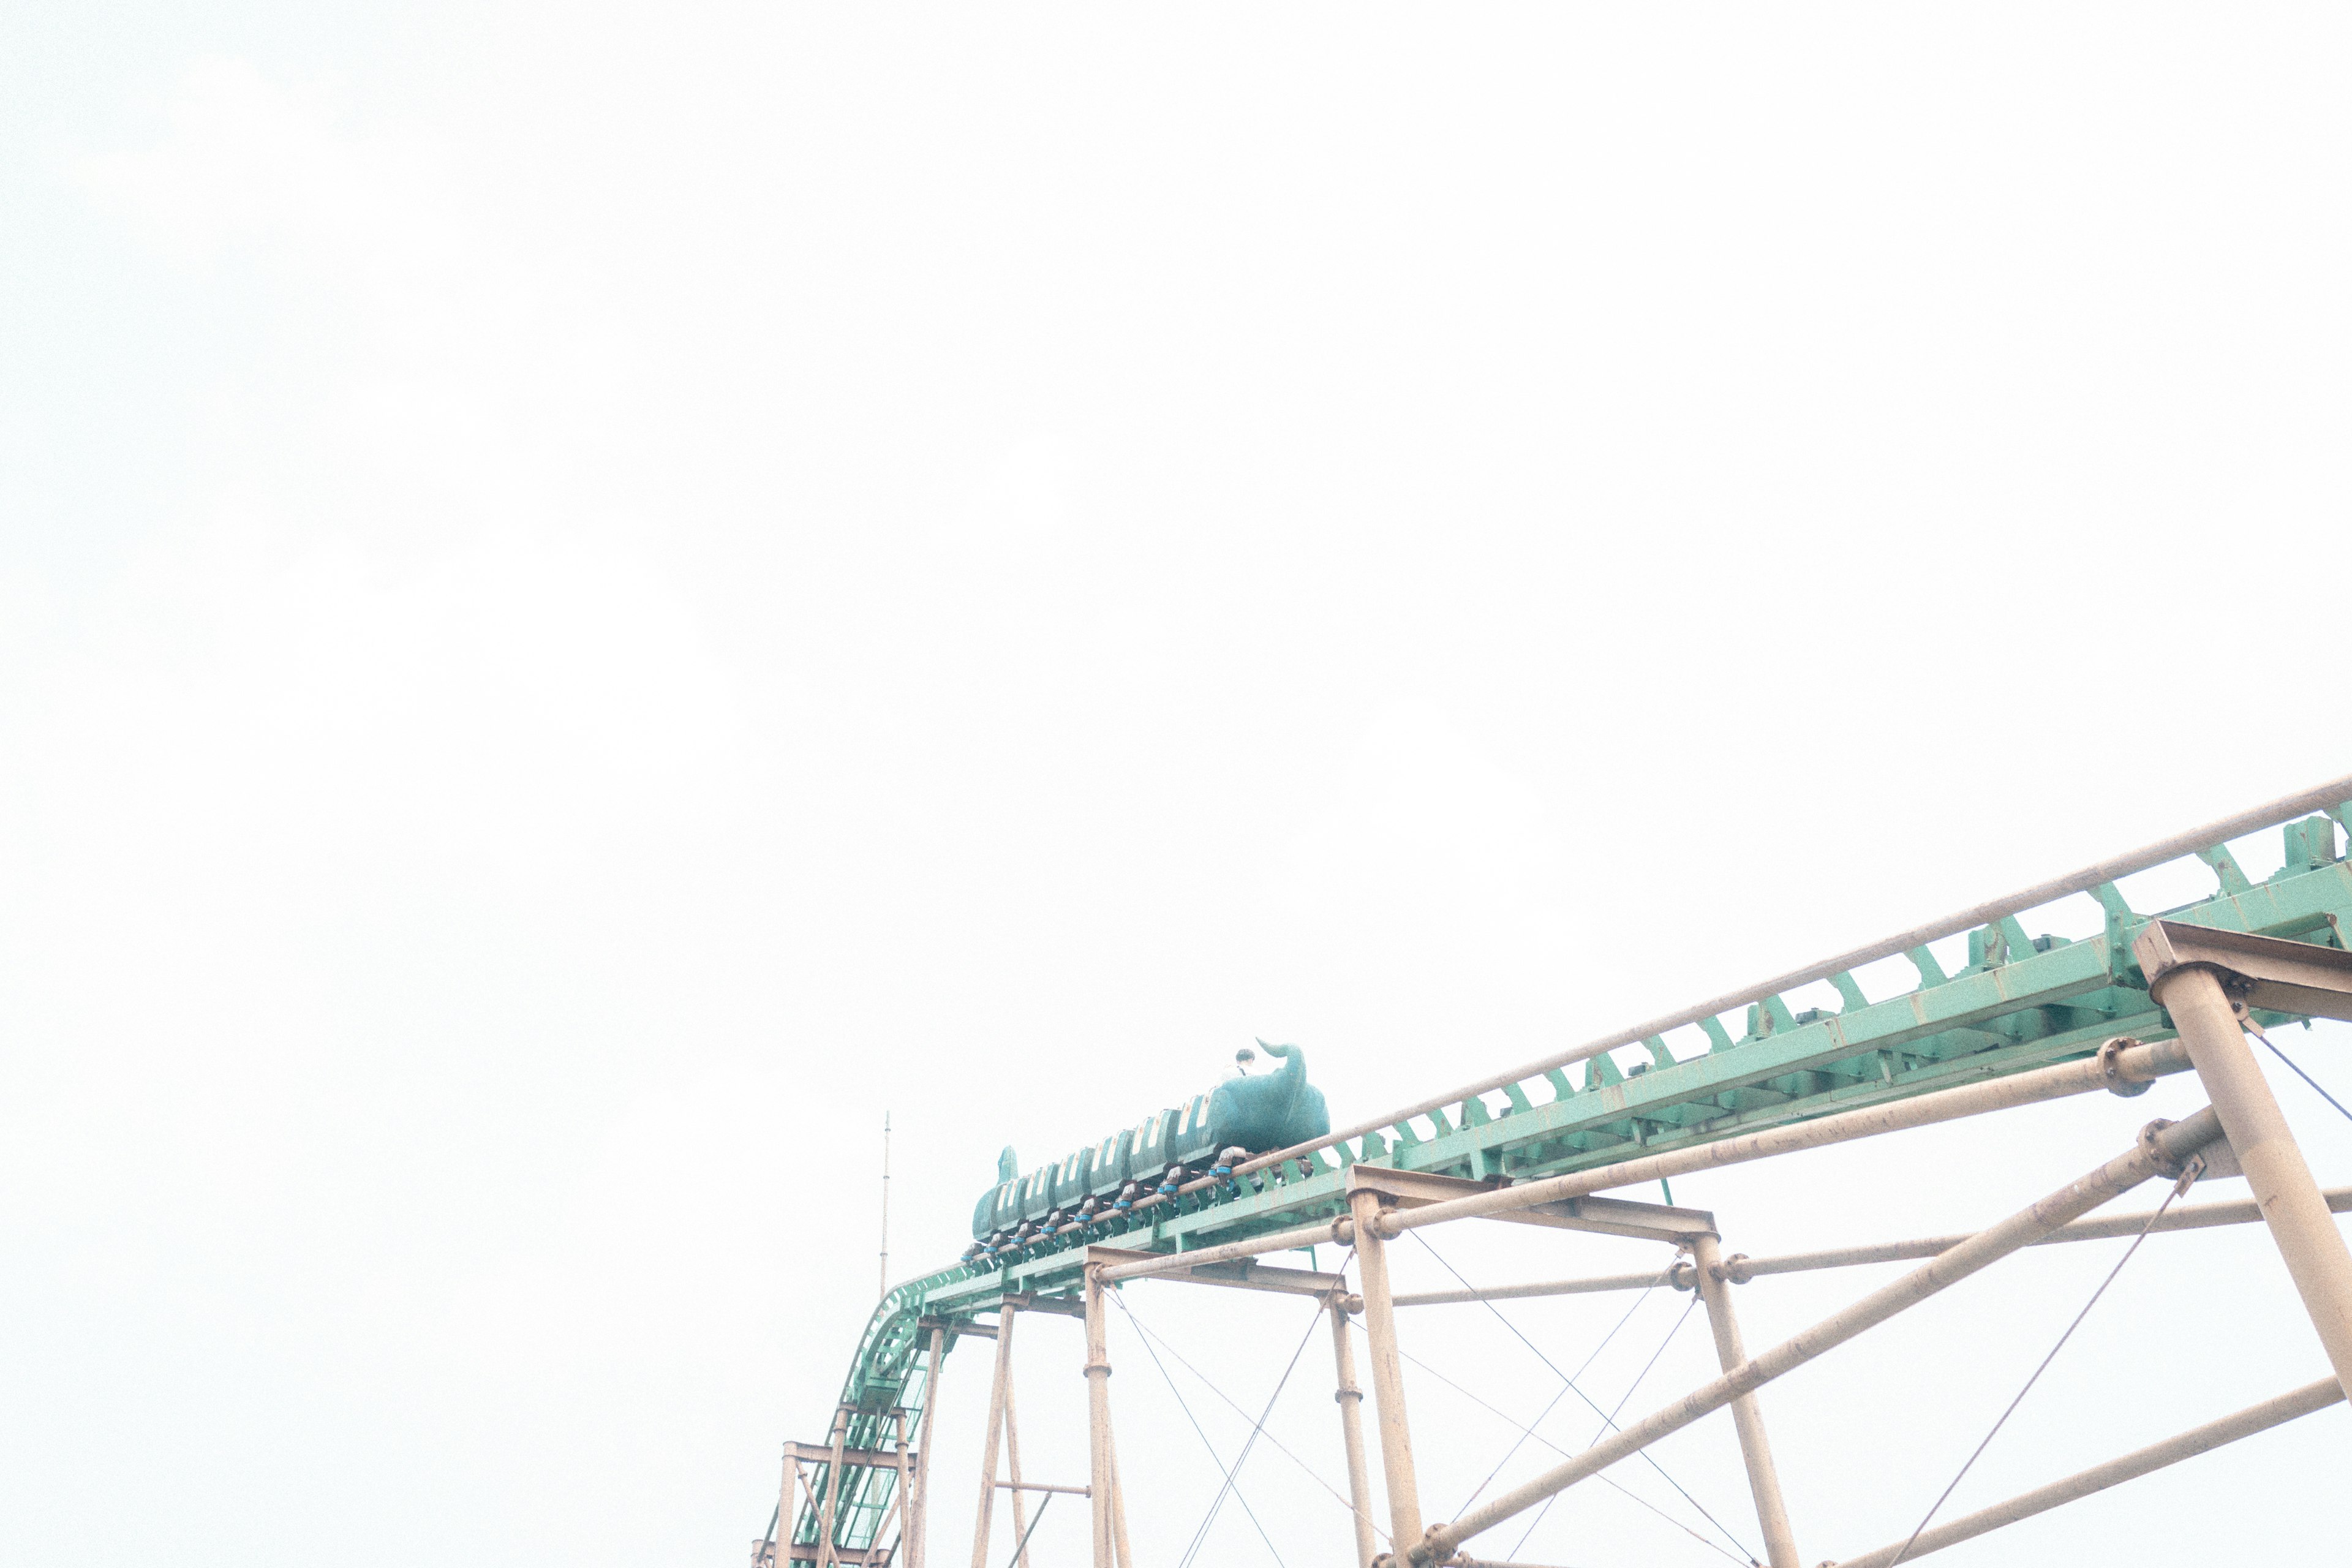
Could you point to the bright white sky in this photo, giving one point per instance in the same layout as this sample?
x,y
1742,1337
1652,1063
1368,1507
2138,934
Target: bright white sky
x,y
591,597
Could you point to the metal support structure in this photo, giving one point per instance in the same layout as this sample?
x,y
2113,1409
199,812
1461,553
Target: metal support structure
x,y
824,1545
788,1507
1388,1371
1739,1269
2192,987
920,1499
2196,1440
1101,1487
1012,1475
902,1494
2124,1069
2162,1146
2010,1028
1350,1400
993,1434
1746,1415
1118,1506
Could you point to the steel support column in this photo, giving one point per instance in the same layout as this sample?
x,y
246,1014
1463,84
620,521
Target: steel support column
x,y
1350,1400
1119,1505
825,1552
919,1499
1746,1415
1388,1372
993,1433
1013,1474
2317,1257
1102,1496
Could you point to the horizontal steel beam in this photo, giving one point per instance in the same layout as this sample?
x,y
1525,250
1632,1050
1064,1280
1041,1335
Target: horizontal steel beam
x,y
1147,1264
2196,1440
2326,797
822,1453
1408,1190
1241,1274
1739,1269
2161,1146
2136,1064
2265,971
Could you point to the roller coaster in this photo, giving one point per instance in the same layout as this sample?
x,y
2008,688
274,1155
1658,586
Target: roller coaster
x,y
1202,1189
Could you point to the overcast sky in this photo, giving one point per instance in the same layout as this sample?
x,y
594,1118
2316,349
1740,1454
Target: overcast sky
x,y
592,598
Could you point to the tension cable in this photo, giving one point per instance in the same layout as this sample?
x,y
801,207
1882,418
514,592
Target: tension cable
x,y
1312,1473
1202,1534
2187,1178
1648,1458
1195,1420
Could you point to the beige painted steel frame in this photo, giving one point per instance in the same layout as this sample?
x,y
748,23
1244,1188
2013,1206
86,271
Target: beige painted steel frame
x,y
2164,1145
1384,1203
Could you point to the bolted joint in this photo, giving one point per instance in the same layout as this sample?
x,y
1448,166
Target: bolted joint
x,y
1683,1274
1347,1395
2111,1069
1734,1269
2166,1163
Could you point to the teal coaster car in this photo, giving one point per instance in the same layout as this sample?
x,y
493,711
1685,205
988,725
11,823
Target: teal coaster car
x,y
1206,1135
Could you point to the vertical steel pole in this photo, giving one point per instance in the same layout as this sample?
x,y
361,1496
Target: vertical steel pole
x,y
1099,1493
920,1501
995,1430
2300,1223
1350,1400
1746,1415
1013,1474
787,1511
825,1557
1118,1506
1388,1376
902,1499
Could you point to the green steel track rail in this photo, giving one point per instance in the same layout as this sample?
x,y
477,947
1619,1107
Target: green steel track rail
x,y
2020,1002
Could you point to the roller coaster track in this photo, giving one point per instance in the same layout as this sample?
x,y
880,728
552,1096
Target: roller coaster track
x,y
2021,1001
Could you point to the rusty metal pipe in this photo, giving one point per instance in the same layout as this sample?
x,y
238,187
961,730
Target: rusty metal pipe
x,y
2161,1146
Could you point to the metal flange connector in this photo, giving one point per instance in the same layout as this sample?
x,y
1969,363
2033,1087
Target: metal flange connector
x,y
2111,1069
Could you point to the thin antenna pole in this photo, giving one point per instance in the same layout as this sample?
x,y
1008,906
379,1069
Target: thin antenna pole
x,y
883,1288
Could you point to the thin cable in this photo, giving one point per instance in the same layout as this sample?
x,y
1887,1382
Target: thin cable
x,y
1648,1458
1606,1480
1202,1534
1195,1420
2256,1030
1520,1441
1203,1377
1623,1400
2178,1187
